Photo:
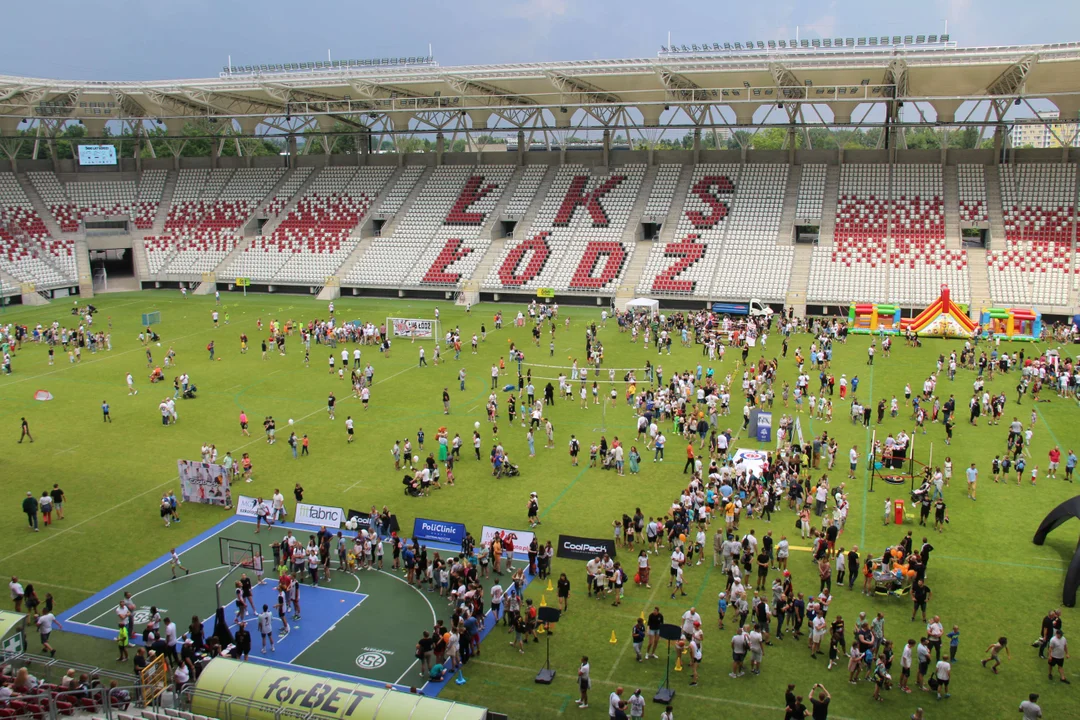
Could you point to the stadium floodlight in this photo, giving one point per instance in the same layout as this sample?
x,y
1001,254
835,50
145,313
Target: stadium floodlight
x,y
873,41
907,39
793,43
663,48
782,43
865,81
779,106
932,39
724,92
727,46
808,83
685,49
694,48
716,47
896,39
944,38
815,43
861,41
920,39
1016,101
772,44
745,84
804,43
757,92
738,46
827,42
760,45
850,42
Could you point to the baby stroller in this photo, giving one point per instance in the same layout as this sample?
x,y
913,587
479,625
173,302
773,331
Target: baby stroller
x,y
189,394
918,495
412,488
509,469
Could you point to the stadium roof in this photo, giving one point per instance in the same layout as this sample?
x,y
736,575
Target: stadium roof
x,y
646,91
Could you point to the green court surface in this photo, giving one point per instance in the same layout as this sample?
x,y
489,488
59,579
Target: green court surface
x,y
363,623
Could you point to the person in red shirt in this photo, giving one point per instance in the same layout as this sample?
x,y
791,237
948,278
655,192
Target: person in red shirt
x,y
1055,458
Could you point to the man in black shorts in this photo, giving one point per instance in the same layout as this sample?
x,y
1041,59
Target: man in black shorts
x,y
920,593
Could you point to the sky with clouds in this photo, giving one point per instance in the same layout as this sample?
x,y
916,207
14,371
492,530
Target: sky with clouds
x,y
142,40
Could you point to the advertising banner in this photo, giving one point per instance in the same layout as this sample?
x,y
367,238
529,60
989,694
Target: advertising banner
x,y
581,548
363,520
319,515
519,539
412,328
450,533
271,693
203,483
248,507
763,426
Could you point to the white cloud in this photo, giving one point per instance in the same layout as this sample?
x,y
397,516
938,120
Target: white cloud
x,y
539,10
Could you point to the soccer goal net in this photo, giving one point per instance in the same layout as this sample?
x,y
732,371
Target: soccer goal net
x,y
151,318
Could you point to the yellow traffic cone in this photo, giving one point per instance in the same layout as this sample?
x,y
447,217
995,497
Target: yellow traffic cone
x,y
613,640
540,630
549,587
543,601
678,662
642,616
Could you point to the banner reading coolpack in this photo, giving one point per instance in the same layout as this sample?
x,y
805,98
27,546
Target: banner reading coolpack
x,y
451,533
580,548
412,327
248,507
363,520
203,483
518,539
319,515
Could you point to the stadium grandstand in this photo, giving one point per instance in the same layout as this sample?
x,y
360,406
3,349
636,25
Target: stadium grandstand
x,y
707,173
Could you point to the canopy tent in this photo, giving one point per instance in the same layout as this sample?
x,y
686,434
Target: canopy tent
x,y
644,305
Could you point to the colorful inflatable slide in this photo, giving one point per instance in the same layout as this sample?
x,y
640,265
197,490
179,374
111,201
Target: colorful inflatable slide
x,y
943,318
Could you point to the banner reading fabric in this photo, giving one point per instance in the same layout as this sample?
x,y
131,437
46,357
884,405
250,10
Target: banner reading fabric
x,y
451,533
248,507
412,328
204,483
319,515
581,548
519,539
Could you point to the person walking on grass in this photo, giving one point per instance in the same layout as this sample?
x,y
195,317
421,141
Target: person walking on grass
x,y
45,623
995,650
1058,649
105,416
25,428
30,507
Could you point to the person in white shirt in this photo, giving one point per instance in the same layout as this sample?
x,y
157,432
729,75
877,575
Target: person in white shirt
x,y
688,619
45,625
131,385
496,599
266,628
615,702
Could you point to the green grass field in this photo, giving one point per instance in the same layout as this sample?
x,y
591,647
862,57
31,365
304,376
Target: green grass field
x,y
986,575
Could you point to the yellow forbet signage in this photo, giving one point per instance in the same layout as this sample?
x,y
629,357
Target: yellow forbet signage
x,y
264,693
545,292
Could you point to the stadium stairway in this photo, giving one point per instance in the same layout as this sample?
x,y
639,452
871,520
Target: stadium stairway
x,y
167,193
953,241
39,207
495,249
364,232
979,277
678,201
786,235
994,209
632,236
827,229
83,270
391,226
800,279
272,224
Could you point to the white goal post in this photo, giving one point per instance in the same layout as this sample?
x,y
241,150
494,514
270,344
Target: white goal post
x,y
413,328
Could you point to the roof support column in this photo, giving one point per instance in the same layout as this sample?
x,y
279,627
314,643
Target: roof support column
x,y
697,145
440,148
10,142
606,146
